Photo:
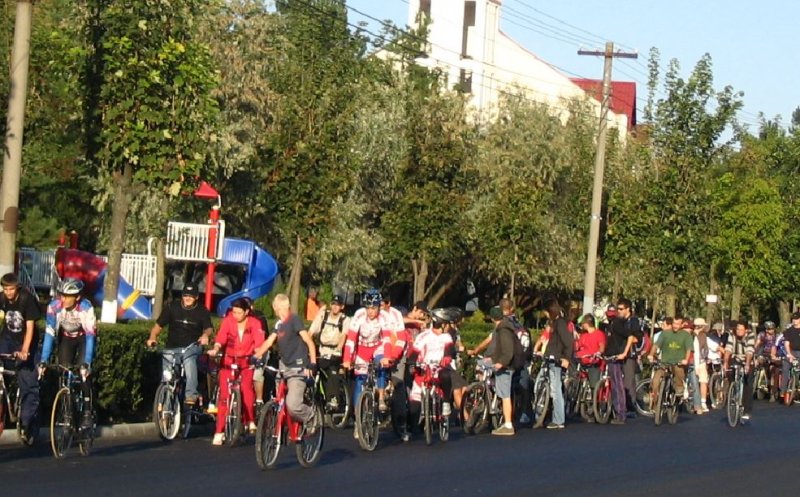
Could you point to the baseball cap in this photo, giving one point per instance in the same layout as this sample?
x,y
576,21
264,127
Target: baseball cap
x,y
718,327
700,322
190,290
337,299
796,315
496,313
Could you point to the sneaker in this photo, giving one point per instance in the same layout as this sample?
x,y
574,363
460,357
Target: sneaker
x,y
252,428
615,421
503,431
446,409
382,407
524,419
219,438
405,437
355,433
555,426
704,408
212,408
745,417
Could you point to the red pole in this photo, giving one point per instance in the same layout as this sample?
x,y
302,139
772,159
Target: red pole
x,y
212,253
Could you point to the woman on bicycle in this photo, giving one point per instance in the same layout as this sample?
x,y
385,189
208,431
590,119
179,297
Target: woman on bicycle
x,y
239,335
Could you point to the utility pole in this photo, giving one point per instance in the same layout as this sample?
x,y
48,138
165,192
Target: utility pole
x,y
599,168
12,159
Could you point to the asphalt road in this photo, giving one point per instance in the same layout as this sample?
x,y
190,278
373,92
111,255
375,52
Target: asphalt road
x,y
700,455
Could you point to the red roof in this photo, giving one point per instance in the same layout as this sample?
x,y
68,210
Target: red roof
x,y
623,96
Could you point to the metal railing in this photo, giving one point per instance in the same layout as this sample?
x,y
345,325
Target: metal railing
x,y
39,266
189,241
140,271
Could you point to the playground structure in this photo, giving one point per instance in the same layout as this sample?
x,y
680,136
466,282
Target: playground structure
x,y
185,242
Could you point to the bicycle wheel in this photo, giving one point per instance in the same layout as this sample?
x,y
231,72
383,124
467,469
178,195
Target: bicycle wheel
x,y
61,429
761,387
444,421
166,412
571,387
716,387
268,440
644,404
585,401
672,405
601,403
234,429
473,408
309,448
366,420
734,399
427,416
658,408
87,435
2,411
541,403
341,416
791,390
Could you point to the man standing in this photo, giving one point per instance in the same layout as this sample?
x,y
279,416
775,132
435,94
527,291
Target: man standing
x,y
19,311
560,347
634,329
189,328
502,357
620,339
791,353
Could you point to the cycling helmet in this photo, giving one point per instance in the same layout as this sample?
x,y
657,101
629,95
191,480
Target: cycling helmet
x,y
70,286
770,325
372,300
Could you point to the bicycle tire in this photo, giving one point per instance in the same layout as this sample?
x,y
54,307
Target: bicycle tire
x,y
644,401
586,401
268,441
658,408
444,421
716,387
61,427
2,411
733,404
672,407
87,435
17,417
601,403
760,385
166,412
571,388
366,420
541,403
340,419
309,448
791,390
473,409
234,428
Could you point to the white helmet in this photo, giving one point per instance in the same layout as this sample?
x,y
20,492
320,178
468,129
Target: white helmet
x,y
70,286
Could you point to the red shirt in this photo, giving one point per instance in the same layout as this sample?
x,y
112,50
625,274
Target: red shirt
x,y
243,347
589,344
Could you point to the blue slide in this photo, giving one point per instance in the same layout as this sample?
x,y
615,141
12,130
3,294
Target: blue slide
x,y
262,269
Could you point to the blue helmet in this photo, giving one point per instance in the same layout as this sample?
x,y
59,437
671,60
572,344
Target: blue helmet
x,y
371,298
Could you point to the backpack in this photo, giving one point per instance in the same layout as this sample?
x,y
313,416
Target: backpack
x,y
642,347
325,338
524,338
519,358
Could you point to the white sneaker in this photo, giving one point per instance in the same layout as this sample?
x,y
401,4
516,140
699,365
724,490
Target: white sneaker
x,y
355,434
219,438
252,428
704,408
446,409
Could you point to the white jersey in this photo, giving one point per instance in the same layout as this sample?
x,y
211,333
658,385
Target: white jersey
x,y
431,347
394,319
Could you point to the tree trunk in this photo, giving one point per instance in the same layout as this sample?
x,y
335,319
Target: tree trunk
x,y
161,276
670,298
754,314
123,196
420,269
443,288
736,302
784,313
293,288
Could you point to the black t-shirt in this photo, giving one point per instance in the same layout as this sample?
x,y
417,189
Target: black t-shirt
x,y
294,352
792,338
185,325
23,308
617,334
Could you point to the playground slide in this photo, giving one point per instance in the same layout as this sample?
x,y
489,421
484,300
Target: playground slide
x,y
91,269
262,269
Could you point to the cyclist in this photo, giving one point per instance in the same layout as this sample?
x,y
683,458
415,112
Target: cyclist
x,y
740,347
765,343
365,343
619,342
19,311
331,324
239,335
675,346
790,341
434,347
452,381
71,320
591,344
298,360
189,327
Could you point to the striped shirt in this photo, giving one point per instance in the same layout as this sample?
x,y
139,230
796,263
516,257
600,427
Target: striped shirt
x,y
740,347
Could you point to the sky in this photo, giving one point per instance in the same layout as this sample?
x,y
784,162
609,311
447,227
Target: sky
x,y
750,42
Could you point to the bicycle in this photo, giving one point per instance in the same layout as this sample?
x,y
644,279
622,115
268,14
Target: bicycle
x,y
761,384
69,407
716,385
234,426
337,409
644,396
170,414
432,416
369,419
735,408
541,392
480,405
602,400
666,400
10,398
275,426
584,394
792,395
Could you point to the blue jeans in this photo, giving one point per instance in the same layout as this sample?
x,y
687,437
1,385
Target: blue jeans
x,y
696,386
189,359
381,377
28,381
557,394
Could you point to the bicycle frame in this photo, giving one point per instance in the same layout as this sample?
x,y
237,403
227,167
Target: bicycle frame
x,y
285,423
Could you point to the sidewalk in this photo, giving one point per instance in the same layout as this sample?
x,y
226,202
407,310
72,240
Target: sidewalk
x,y
132,430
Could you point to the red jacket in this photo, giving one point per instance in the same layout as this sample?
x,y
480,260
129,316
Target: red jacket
x,y
243,348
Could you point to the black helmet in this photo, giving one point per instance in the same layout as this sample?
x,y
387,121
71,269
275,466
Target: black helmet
x,y
190,290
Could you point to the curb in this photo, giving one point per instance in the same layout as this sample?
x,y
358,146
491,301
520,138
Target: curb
x,y
133,430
